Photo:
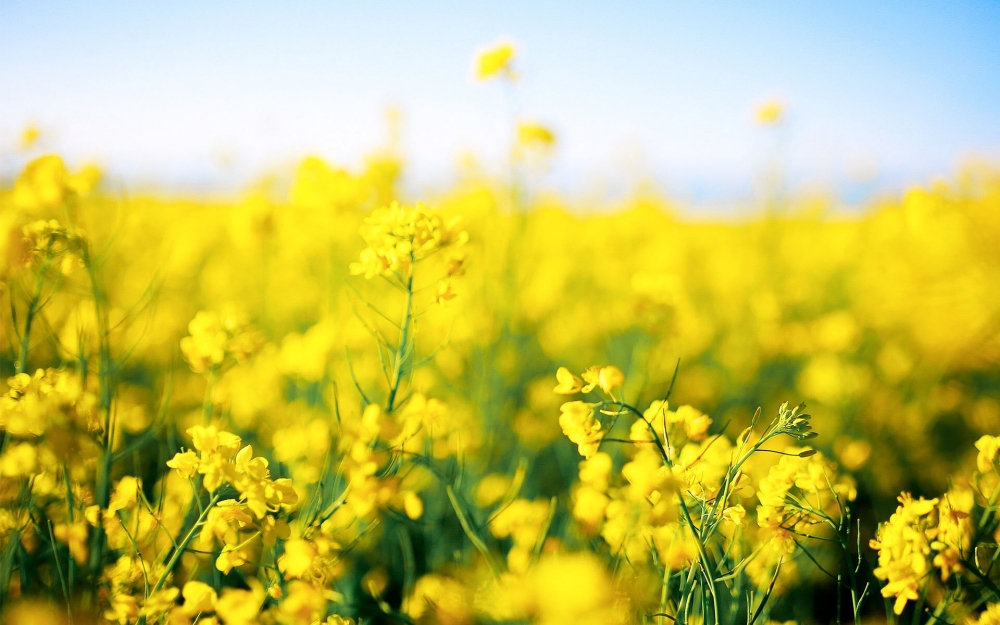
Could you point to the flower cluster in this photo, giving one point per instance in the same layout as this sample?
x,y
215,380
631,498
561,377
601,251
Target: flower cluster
x,y
215,335
399,235
220,459
523,521
796,497
932,541
578,419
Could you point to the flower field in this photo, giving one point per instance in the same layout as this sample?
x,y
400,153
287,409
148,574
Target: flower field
x,y
499,406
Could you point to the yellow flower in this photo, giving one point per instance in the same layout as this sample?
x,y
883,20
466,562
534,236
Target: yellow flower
x,y
74,535
214,471
185,463
297,559
29,137
568,384
240,607
533,140
770,113
413,505
205,439
226,515
126,494
495,61
735,515
491,489
398,235
904,550
589,505
608,378
304,603
579,425
440,599
696,423
19,461
988,447
198,597
990,616
160,602
252,468
230,559
272,529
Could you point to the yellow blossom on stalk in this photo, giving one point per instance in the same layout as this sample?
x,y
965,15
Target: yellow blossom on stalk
x,y
800,476
49,398
214,335
20,460
225,517
413,505
954,531
199,597
185,463
491,489
590,501
568,384
581,427
48,241
42,184
303,603
125,495
440,599
495,61
206,345
989,449
696,423
230,559
904,549
272,529
359,424
240,607
522,521
399,235
160,602
596,471
608,378
75,536
989,616
562,588
297,559
735,515
444,292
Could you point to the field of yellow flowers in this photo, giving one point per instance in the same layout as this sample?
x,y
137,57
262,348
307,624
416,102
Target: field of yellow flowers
x,y
335,408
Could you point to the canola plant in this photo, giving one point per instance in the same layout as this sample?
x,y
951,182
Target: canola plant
x,y
337,407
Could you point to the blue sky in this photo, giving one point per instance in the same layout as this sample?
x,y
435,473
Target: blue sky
x,y
881,93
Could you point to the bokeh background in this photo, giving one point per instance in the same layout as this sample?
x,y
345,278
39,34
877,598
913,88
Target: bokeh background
x,y
200,96
794,202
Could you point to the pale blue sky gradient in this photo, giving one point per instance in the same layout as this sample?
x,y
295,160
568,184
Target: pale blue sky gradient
x,y
898,91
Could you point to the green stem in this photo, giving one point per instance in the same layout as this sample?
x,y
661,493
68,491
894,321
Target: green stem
x,y
103,482
470,532
404,339
181,547
36,296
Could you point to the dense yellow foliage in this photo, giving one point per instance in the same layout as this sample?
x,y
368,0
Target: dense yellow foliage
x,y
330,406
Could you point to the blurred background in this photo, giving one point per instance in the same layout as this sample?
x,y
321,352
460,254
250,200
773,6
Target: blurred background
x,y
796,203
876,96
